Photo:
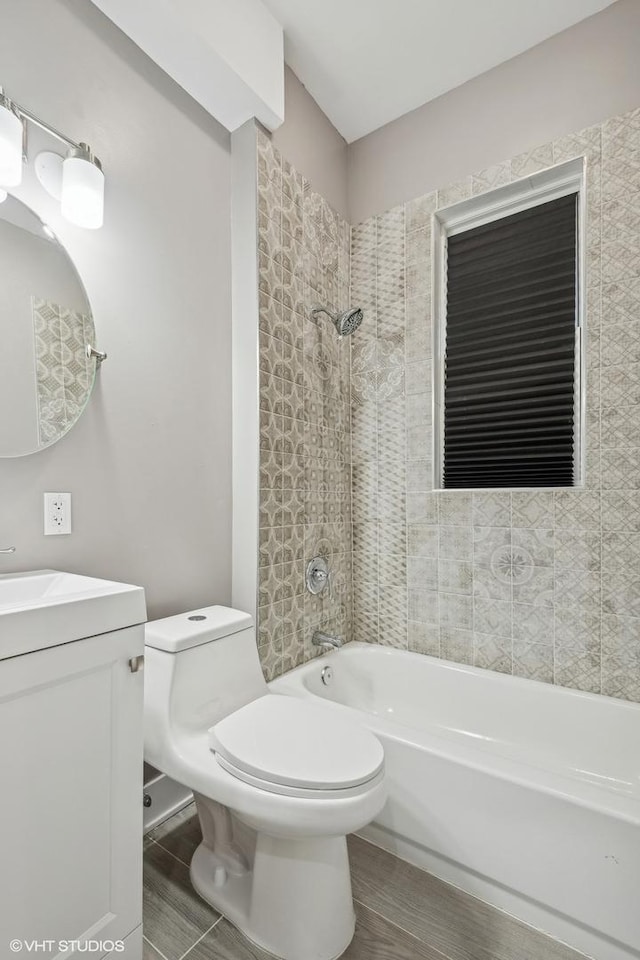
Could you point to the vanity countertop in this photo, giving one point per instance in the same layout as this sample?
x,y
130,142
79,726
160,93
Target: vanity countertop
x,y
45,608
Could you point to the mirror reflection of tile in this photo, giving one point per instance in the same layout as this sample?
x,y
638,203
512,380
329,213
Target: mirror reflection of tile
x,y
64,374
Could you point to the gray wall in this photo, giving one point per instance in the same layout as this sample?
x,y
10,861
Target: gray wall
x,y
577,78
310,142
149,462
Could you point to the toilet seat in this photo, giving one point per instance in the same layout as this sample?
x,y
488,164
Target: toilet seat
x,y
293,747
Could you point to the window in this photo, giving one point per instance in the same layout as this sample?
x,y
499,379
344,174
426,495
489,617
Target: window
x,y
508,336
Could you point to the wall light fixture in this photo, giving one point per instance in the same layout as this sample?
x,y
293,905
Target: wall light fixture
x,y
76,179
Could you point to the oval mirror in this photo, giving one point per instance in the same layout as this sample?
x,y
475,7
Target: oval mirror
x,y
46,376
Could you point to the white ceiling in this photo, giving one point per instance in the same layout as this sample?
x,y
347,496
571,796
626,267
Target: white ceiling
x,y
366,62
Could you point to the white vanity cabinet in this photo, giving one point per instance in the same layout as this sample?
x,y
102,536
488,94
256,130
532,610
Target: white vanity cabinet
x,y
71,772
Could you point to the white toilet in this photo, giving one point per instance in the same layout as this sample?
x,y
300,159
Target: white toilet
x,y
278,782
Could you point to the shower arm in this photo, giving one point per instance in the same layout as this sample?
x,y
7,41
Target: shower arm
x,y
316,310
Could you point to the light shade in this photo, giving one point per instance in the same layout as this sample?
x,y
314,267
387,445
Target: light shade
x,y
83,191
3,195
10,147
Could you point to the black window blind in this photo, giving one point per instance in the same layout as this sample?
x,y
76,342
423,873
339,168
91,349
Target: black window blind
x,y
509,377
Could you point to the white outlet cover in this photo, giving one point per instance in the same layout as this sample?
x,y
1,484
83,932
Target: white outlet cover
x,y
57,514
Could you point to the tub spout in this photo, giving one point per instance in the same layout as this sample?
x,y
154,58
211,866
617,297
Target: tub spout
x,y
326,640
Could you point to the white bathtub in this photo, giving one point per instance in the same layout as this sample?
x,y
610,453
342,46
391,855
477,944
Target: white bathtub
x,y
524,794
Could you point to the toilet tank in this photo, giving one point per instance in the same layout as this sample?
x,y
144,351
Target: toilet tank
x,y
202,665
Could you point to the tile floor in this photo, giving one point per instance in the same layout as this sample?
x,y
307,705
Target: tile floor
x,y
402,913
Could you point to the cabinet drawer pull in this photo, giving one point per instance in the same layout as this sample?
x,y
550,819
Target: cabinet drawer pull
x,y
136,663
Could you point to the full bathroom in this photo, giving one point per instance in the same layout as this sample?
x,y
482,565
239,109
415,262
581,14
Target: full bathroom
x,y
320,479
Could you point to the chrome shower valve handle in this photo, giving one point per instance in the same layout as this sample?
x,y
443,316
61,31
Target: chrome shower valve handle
x,y
318,576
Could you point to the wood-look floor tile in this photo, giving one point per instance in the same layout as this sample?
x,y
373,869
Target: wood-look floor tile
x,y
149,952
174,916
181,834
180,817
225,942
449,920
378,939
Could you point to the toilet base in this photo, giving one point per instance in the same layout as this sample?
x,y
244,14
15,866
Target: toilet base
x,y
294,901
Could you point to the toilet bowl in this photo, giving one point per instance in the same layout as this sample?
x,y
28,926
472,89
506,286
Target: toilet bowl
x,y
279,782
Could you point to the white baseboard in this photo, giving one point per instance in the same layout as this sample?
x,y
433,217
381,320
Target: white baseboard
x,y
167,797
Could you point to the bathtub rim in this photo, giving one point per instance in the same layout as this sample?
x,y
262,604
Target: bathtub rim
x,y
593,796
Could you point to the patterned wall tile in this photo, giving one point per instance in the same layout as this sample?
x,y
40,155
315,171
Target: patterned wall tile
x,y
491,177
534,585
456,645
620,679
455,576
492,548
492,617
537,545
621,657
422,573
490,583
423,605
585,143
418,212
419,475
575,666
454,192
492,652
305,397
423,638
418,246
455,610
533,661
492,509
455,543
620,510
532,509
418,378
533,624
577,509
532,161
422,540
574,585
392,536
575,625
418,337
579,548
529,592
455,509
392,615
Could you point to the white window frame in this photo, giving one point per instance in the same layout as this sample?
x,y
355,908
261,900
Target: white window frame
x,y
550,184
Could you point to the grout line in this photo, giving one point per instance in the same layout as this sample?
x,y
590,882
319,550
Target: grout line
x,y
159,952
511,598
201,937
599,487
397,926
162,847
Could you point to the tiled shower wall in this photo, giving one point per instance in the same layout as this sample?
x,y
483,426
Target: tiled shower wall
x,y
305,443
541,584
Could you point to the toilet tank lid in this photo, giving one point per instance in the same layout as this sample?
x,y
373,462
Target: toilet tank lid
x,y
194,628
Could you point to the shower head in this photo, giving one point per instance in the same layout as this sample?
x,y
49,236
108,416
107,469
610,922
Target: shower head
x,y
346,322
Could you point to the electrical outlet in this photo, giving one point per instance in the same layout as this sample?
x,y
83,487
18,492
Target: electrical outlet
x,y
57,513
